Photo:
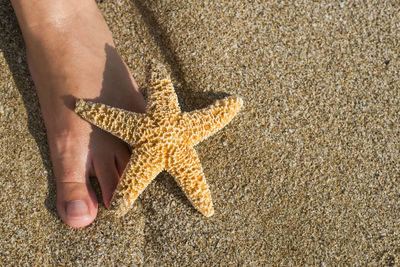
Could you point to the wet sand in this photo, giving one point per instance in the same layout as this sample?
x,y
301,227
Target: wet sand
x,y
308,172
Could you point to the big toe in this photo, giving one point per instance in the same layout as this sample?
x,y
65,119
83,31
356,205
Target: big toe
x,y
76,203
76,199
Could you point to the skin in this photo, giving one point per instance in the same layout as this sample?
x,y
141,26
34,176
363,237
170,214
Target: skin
x,y
71,54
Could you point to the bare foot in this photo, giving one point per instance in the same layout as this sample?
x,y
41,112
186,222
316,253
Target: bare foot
x,y
73,56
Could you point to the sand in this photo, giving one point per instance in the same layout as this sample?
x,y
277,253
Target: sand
x,y
308,172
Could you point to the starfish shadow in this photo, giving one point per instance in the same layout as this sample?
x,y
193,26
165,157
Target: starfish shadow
x,y
13,49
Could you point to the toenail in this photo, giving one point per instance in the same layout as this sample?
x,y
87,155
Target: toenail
x,y
77,208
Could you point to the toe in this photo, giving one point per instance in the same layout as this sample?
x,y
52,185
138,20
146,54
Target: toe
x,y
76,203
107,175
76,199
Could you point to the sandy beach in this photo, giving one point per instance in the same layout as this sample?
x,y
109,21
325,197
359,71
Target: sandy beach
x,y
307,173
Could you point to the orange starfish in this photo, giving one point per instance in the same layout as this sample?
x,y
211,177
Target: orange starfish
x,y
163,139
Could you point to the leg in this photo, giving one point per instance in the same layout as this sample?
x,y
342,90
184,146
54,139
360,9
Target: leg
x,y
71,55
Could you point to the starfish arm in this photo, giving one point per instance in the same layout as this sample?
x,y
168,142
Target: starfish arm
x,y
200,124
184,166
113,119
161,95
142,168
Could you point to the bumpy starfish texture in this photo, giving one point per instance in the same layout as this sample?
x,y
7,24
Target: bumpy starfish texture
x,y
163,139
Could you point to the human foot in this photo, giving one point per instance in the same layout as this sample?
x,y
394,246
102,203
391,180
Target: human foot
x,y
72,57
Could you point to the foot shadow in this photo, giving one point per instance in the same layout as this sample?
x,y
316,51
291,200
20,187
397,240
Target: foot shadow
x,y
193,99
13,48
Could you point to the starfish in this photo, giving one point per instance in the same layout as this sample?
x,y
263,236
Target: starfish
x,y
163,139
